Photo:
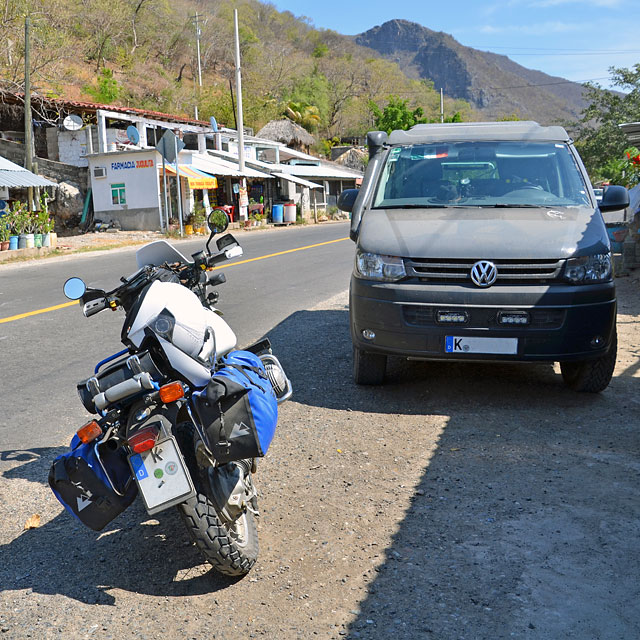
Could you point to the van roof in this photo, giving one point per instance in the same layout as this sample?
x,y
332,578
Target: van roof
x,y
470,131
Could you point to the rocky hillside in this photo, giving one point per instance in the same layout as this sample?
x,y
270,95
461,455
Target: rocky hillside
x,y
494,84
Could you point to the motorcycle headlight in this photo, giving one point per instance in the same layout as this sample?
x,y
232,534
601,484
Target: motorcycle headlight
x,y
589,269
377,267
164,324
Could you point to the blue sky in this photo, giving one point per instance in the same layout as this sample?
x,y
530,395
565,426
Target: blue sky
x,y
574,39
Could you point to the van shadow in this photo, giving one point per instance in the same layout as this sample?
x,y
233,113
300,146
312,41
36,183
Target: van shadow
x,y
503,535
135,552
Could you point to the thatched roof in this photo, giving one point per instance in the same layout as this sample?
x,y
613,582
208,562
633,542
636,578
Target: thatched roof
x,y
353,158
287,132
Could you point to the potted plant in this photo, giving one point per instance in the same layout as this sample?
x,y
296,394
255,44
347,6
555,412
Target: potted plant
x,y
20,217
4,233
13,233
46,223
198,218
30,227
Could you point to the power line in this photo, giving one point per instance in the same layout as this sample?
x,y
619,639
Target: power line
x,y
594,51
548,84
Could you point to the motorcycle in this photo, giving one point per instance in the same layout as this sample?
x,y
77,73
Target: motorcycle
x,y
181,415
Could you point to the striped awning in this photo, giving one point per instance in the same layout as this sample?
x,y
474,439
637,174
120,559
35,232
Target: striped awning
x,y
197,179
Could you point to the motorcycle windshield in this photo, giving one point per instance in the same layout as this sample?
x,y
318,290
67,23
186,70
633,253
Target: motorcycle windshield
x,y
158,252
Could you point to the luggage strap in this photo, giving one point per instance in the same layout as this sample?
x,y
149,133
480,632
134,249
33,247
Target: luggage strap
x,y
259,372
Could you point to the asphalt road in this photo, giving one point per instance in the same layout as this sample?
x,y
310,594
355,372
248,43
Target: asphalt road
x,y
44,355
459,501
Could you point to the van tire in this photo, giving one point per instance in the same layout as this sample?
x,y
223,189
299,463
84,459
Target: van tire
x,y
591,376
368,368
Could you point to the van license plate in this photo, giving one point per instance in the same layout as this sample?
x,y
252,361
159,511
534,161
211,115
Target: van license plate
x,y
162,477
500,346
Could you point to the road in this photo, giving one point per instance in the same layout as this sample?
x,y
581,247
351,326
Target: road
x,y
44,355
456,502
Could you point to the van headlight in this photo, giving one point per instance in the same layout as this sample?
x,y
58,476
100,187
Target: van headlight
x,y
377,267
589,269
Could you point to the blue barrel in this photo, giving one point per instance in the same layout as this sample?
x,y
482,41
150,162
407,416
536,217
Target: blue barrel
x,y
277,213
13,242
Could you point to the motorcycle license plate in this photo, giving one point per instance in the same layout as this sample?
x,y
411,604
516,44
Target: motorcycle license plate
x,y
500,346
162,476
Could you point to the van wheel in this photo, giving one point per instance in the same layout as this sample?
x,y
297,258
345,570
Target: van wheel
x,y
591,376
368,368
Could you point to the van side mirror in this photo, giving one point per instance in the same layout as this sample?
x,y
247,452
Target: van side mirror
x,y
614,198
347,199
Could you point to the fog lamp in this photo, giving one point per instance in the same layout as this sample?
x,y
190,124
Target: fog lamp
x,y
368,334
452,317
597,341
513,317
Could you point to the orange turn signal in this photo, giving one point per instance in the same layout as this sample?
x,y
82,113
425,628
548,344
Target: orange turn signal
x,y
89,432
171,392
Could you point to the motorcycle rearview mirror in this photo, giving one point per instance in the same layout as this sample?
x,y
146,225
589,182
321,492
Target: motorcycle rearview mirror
x,y
74,288
218,222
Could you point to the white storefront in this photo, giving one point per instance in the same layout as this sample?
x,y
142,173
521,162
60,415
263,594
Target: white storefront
x,y
126,187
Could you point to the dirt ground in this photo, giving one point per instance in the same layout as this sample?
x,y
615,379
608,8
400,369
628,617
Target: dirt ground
x,y
456,502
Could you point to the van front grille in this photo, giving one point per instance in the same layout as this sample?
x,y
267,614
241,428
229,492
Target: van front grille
x,y
537,271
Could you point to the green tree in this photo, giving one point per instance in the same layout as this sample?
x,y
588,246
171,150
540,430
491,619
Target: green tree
x,y
304,114
396,115
600,140
107,90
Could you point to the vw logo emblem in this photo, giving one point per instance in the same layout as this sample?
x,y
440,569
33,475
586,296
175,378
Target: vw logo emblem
x,y
484,273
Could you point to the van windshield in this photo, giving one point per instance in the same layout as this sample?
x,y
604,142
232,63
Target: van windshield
x,y
481,174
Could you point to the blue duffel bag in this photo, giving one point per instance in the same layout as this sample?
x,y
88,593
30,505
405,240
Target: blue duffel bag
x,y
93,482
238,409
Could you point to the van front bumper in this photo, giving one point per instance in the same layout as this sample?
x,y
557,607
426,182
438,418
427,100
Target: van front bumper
x,y
565,322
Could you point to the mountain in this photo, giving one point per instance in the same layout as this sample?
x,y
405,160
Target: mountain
x,y
493,84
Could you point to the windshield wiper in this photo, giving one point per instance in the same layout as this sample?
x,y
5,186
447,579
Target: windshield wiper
x,y
515,206
413,206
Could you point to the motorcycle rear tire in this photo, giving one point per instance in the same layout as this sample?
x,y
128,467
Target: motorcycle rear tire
x,y
230,550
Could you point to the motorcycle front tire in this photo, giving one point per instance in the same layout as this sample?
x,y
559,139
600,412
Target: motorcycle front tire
x,y
230,549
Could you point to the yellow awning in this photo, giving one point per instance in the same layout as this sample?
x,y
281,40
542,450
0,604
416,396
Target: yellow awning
x,y
197,179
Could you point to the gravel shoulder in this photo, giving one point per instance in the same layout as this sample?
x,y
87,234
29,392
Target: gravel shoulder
x,y
456,501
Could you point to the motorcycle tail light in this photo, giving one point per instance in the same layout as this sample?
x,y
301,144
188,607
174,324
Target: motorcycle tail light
x,y
143,440
171,392
89,432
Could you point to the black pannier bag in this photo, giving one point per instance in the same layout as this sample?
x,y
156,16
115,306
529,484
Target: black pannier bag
x,y
238,410
93,482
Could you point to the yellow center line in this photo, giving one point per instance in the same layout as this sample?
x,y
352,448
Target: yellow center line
x,y
35,313
20,316
280,253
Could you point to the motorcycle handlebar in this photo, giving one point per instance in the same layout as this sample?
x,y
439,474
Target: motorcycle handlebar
x,y
214,279
94,306
227,254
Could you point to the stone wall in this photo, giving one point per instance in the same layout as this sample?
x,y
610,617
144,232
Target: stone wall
x,y
55,171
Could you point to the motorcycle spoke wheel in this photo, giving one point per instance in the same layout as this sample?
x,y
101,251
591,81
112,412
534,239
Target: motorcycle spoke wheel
x,y
230,548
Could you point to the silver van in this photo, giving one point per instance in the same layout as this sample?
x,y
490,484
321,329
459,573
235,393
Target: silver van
x,y
482,241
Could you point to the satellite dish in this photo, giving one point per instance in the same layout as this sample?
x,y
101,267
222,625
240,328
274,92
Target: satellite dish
x,y
73,122
214,124
133,134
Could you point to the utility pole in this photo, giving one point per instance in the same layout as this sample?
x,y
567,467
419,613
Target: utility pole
x,y
195,19
243,182
28,127
441,105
